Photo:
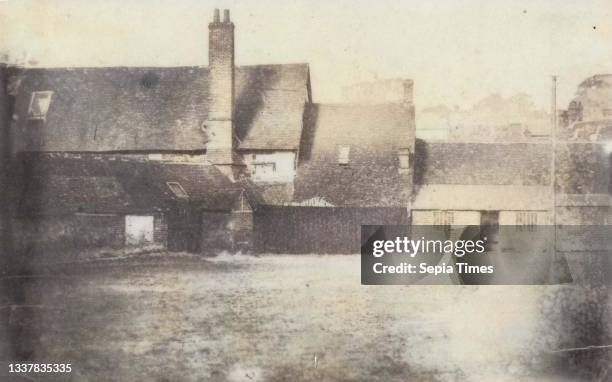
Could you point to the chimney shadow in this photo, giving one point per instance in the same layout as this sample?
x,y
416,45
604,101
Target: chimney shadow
x,y
311,116
421,158
251,86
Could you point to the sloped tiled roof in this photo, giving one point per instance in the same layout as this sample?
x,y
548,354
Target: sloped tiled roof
x,y
205,185
156,109
372,177
274,193
581,168
482,163
270,101
55,186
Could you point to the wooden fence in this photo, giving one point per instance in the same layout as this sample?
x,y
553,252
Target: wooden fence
x,y
301,229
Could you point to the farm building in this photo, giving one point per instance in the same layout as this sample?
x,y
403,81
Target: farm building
x,y
202,159
67,204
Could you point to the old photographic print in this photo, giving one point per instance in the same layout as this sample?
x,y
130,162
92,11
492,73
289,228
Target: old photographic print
x,y
270,191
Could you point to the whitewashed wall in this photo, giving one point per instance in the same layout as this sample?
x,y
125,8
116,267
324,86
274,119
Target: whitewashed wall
x,y
511,218
427,217
282,161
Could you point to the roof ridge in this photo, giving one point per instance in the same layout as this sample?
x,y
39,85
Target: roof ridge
x,y
361,105
276,64
147,67
68,68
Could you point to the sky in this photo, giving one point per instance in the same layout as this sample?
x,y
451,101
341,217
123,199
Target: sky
x,y
456,51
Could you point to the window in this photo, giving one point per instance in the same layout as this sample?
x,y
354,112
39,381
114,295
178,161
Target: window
x,y
39,104
344,154
444,218
404,159
526,221
177,190
264,170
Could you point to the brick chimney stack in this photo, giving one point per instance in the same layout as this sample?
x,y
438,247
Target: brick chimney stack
x,y
220,124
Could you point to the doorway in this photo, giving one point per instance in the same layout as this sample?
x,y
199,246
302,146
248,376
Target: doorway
x,y
139,229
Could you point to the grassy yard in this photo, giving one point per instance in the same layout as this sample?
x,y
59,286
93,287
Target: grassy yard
x,y
290,318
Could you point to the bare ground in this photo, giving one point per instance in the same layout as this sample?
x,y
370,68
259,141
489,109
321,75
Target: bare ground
x,y
289,318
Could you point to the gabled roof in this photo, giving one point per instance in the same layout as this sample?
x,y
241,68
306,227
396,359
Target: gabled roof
x,y
156,109
58,186
374,135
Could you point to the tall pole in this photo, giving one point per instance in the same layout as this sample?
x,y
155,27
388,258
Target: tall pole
x,y
553,140
560,272
553,163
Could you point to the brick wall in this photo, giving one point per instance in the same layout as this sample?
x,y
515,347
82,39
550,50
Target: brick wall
x,y
68,235
221,91
584,215
71,234
221,66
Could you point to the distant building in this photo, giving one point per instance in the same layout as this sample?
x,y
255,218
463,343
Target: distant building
x,y
67,203
589,114
492,119
397,90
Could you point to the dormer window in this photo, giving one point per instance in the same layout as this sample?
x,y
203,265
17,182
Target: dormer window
x,y
404,159
177,190
39,104
344,152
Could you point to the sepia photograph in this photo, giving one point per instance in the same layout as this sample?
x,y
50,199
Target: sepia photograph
x,y
305,190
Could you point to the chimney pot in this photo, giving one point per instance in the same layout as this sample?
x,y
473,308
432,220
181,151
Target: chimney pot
x,y
216,18
226,16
